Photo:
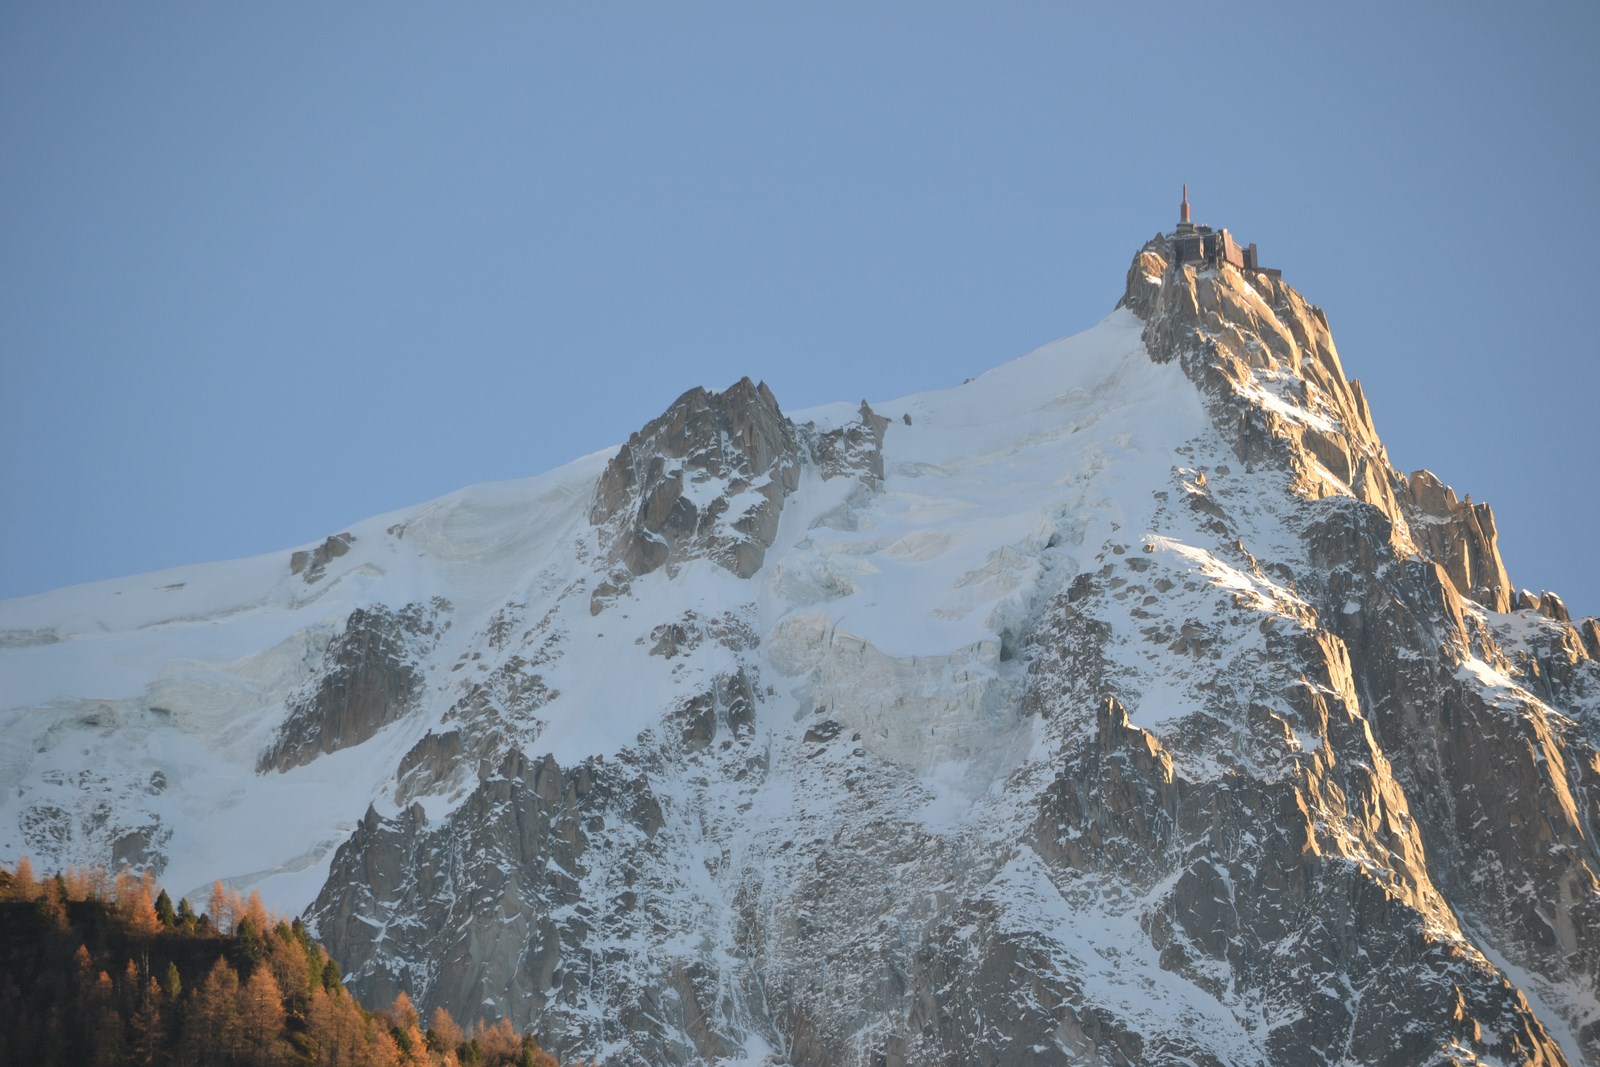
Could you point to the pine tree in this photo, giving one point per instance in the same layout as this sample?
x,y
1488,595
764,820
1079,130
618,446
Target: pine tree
x,y
23,884
404,1012
332,979
499,1043
444,1033
336,1029
219,911
249,938
164,912
141,914
211,1033
103,1024
258,911
52,906
382,1050
148,1028
261,1019
172,983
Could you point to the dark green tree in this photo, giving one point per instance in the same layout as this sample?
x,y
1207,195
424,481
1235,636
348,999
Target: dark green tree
x,y
172,983
164,912
332,979
249,939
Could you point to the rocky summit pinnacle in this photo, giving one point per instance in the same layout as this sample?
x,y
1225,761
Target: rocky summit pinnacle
x,y
1123,705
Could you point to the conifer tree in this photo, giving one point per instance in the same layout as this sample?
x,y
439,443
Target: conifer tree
x,y
499,1043
103,1024
258,911
382,1050
105,1010
249,938
261,1019
130,989
444,1033
332,979
164,912
75,882
52,906
219,911
23,884
147,1028
336,1029
287,959
172,983
211,1030
141,914
413,1046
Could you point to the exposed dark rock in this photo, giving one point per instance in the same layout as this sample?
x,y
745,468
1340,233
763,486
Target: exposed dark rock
x,y
730,630
724,710
707,479
310,564
369,678
1590,630
433,765
970,964
500,904
854,450
1486,794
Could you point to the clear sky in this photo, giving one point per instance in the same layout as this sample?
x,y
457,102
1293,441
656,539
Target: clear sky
x,y
267,269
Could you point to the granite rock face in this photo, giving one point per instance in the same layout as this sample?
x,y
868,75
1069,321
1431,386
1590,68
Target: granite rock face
x,y
1460,537
707,479
310,564
1491,790
854,450
544,890
370,677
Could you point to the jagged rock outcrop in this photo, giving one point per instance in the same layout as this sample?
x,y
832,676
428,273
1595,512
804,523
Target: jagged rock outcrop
x,y
853,450
1459,536
369,678
541,892
310,564
706,479
1501,789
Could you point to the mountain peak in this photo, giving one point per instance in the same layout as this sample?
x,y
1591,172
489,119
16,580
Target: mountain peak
x,y
1123,704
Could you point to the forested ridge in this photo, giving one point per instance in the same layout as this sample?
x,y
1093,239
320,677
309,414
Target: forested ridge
x,y
107,972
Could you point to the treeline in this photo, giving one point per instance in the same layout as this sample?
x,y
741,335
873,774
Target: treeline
x,y
107,972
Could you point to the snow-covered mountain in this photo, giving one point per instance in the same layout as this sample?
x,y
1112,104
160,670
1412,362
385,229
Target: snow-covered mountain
x,y
1122,705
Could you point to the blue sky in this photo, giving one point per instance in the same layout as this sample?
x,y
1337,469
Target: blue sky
x,y
269,269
